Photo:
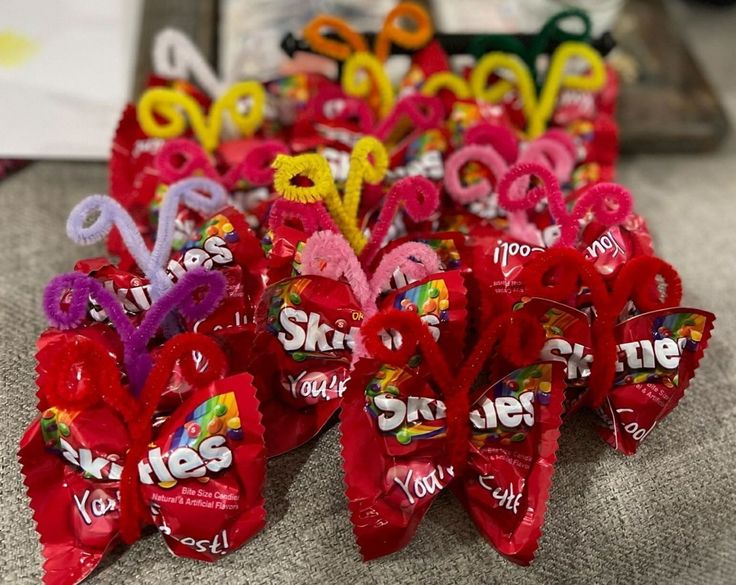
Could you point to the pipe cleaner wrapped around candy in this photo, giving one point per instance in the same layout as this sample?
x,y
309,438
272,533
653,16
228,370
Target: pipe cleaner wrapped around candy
x,y
223,242
603,209
411,426
67,301
363,74
310,197
495,149
306,333
644,347
99,469
248,181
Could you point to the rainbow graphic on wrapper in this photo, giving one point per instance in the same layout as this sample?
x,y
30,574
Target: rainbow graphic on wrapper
x,y
463,116
218,415
220,226
536,378
430,140
686,329
56,424
387,380
429,298
446,251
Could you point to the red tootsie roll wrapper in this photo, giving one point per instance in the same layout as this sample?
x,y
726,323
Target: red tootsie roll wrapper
x,y
609,248
393,437
306,328
658,353
201,478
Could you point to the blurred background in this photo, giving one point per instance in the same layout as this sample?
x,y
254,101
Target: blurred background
x,y
67,67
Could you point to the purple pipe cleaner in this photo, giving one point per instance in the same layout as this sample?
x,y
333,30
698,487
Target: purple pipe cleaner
x,y
195,296
83,228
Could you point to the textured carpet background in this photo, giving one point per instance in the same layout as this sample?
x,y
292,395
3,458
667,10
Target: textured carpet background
x,y
667,515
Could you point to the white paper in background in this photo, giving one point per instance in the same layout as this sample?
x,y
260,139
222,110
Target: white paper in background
x,y
66,71
512,16
250,31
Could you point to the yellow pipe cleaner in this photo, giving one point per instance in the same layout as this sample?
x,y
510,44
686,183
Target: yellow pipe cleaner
x,y
315,168
495,62
446,80
556,80
363,74
180,110
362,170
538,110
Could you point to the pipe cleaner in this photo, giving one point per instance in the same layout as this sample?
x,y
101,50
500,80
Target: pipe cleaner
x,y
406,25
84,229
181,158
517,336
181,111
195,296
175,56
607,202
639,280
329,254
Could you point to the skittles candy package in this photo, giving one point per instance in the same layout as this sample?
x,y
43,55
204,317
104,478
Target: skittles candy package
x,y
412,427
306,328
98,468
658,353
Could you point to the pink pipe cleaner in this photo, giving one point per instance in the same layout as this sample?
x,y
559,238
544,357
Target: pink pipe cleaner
x,y
329,254
559,135
181,158
552,154
424,112
414,260
483,154
333,104
420,199
312,216
607,202
500,138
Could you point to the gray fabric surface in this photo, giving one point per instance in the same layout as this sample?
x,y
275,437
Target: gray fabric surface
x,y
667,515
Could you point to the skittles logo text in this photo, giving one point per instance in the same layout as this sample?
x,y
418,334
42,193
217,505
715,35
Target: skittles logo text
x,y
214,251
95,466
489,413
302,330
212,455
633,355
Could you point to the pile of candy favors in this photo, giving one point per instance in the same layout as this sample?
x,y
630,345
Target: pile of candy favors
x,y
442,262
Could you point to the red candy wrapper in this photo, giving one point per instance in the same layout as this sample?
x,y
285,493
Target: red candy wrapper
x,y
198,478
567,340
658,353
398,454
440,300
306,328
